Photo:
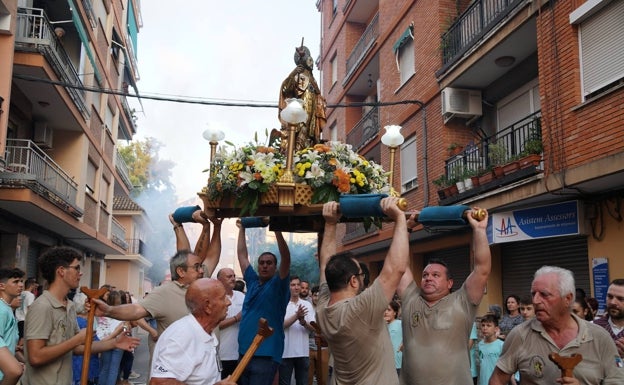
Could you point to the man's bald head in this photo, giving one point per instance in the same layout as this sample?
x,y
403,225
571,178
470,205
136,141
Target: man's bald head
x,y
227,278
201,292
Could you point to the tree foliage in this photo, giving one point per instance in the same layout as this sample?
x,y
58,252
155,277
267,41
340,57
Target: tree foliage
x,y
154,191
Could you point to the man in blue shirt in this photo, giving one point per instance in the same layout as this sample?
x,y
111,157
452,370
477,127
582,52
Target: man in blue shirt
x,y
267,296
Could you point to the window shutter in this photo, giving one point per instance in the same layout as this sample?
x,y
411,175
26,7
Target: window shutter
x,y
600,34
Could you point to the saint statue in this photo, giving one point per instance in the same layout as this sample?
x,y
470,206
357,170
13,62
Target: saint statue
x,y
300,84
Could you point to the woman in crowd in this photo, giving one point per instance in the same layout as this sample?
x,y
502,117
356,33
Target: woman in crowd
x,y
512,316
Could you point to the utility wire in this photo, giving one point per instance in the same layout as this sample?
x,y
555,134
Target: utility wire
x,y
208,102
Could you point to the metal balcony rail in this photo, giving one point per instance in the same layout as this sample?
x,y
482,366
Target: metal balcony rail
x,y
35,33
118,235
474,23
135,246
129,113
26,161
477,157
365,130
363,45
122,170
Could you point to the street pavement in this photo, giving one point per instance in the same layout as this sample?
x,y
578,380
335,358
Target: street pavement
x,y
141,359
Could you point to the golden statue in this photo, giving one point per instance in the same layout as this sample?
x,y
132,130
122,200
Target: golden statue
x,y
301,84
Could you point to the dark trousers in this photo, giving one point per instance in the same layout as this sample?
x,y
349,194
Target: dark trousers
x,y
227,368
299,364
259,371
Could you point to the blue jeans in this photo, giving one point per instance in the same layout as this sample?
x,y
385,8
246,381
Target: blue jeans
x,y
299,364
109,366
259,371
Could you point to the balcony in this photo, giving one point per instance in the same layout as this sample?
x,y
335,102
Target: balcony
x,y
363,46
118,234
34,33
122,170
472,25
365,130
28,166
506,147
135,246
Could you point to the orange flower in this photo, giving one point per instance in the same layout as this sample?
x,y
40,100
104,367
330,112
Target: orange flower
x,y
257,176
341,181
249,162
321,147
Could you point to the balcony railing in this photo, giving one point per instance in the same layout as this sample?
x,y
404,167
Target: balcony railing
x,y
365,130
480,17
122,170
136,246
512,139
27,164
363,45
118,235
130,114
35,33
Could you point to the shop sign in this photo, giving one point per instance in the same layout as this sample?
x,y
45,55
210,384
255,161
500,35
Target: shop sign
x,y
556,220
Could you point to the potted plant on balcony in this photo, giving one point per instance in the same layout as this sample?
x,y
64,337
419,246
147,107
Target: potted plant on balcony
x,y
455,149
531,154
471,180
442,183
497,154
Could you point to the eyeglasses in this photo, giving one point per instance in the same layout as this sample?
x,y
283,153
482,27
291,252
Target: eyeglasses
x,y
197,267
76,267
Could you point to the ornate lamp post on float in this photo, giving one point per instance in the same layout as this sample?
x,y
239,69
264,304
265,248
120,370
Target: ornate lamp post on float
x,y
213,137
393,139
293,114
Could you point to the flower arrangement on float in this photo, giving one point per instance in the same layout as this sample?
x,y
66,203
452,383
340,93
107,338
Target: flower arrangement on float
x,y
333,168
250,173
245,173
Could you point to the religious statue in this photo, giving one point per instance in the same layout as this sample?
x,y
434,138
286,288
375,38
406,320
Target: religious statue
x,y
300,84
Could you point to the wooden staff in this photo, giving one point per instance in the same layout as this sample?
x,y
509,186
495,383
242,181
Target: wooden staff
x,y
264,330
86,355
566,364
320,344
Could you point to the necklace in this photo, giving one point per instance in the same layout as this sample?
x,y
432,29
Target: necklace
x,y
3,300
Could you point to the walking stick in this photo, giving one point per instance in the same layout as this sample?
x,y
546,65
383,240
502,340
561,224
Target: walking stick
x,y
320,344
86,355
264,330
566,364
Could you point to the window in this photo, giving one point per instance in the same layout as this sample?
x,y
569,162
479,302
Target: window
x,y
406,61
409,166
334,70
333,132
600,30
91,173
404,51
104,185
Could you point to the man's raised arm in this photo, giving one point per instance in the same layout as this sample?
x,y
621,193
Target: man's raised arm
x,y
328,243
241,247
282,246
476,281
398,254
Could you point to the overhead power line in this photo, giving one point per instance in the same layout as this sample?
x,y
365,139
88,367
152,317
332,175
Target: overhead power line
x,y
207,102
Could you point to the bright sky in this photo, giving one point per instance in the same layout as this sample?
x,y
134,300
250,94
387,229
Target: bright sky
x,y
235,49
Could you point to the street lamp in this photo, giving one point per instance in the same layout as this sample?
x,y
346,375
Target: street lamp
x,y
213,137
293,114
393,139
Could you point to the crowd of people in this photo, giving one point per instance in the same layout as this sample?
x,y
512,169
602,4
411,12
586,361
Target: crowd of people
x,y
346,330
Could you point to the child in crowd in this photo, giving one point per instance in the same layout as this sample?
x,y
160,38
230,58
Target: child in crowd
x,y
526,308
489,348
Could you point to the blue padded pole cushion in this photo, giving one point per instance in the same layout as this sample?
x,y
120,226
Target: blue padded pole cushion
x,y
249,222
361,205
185,214
443,215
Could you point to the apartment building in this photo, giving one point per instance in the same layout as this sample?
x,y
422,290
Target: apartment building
x,y
496,81
63,110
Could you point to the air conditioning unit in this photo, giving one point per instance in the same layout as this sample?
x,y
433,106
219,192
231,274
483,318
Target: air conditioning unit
x,y
42,134
460,103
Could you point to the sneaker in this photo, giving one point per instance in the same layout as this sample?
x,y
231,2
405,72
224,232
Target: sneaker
x,y
134,375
